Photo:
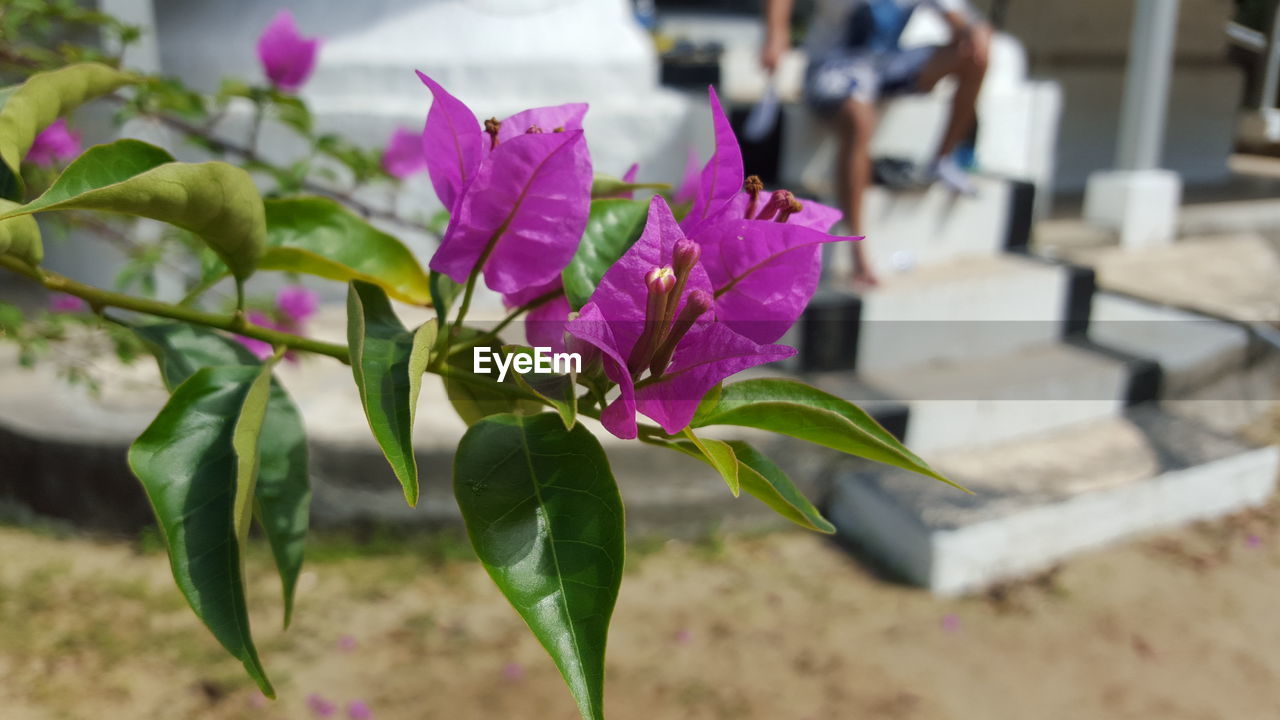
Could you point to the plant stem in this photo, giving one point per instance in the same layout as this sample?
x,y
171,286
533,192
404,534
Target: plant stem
x,y
98,299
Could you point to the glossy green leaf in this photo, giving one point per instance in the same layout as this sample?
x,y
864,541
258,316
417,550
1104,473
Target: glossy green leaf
x,y
606,186
41,100
318,236
187,465
443,292
720,456
20,236
543,512
382,353
246,441
613,227
473,396
792,408
559,390
216,201
764,480
768,483
283,490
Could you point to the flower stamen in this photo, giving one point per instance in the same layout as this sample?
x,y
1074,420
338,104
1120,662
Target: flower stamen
x,y
753,187
699,302
659,281
491,127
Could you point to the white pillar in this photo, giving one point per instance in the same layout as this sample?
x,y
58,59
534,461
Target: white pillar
x,y
1146,85
1271,75
1137,199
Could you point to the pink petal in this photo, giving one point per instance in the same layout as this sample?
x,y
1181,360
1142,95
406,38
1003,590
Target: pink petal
x,y
297,303
359,710
452,143
764,273
710,353
64,303
721,178
568,116
688,189
55,143
529,200
544,325
403,156
629,177
319,706
513,671
592,328
287,57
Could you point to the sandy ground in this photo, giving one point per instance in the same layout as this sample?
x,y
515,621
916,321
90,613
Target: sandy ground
x,y
783,626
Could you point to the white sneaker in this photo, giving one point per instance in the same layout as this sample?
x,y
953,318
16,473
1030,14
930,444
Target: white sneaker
x,y
955,178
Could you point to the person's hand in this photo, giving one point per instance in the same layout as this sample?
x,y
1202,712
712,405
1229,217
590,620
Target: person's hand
x,y
772,52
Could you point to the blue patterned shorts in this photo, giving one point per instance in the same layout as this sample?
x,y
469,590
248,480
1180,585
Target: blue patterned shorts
x,y
864,75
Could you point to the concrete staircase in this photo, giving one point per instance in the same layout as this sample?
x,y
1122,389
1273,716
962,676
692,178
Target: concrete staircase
x,y
1019,378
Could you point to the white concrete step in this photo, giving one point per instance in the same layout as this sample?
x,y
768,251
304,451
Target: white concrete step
x,y
1192,350
985,402
1038,502
958,311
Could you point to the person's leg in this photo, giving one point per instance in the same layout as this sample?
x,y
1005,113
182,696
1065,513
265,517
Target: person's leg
x,y
857,120
969,66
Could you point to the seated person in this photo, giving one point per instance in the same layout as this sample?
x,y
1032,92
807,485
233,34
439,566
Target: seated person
x,y
855,59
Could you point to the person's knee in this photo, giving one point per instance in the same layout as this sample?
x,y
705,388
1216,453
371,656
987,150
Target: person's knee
x,y
858,119
979,59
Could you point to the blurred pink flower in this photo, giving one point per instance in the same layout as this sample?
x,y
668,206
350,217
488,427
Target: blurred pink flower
x,y
287,57
257,701
683,636
404,155
347,643
319,706
55,143
1252,541
258,347
359,710
951,623
297,304
64,303
513,671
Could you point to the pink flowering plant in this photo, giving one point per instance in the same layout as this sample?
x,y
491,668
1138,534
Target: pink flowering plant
x,y
661,301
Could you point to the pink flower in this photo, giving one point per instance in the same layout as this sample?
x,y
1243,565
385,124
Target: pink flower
x,y
319,706
63,303
287,57
403,156
258,347
346,643
683,636
359,710
513,671
518,190
951,623
1252,541
296,304
55,143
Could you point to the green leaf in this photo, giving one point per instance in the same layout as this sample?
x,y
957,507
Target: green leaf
x,y
720,456
214,200
187,464
606,186
382,355
318,236
443,292
613,227
41,100
283,490
544,515
766,481
792,408
20,236
246,441
558,390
